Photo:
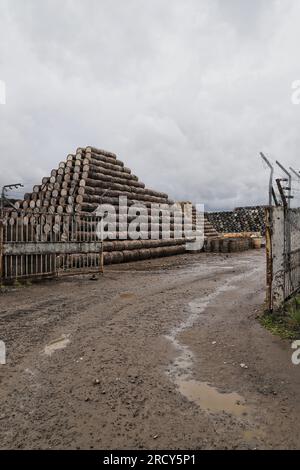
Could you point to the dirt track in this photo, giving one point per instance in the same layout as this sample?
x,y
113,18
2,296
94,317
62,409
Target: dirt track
x,y
138,360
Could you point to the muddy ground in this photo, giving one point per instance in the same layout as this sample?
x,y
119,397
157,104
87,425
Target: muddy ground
x,y
166,353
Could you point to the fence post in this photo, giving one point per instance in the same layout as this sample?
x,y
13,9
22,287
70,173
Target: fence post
x,y
1,247
269,225
271,191
101,252
269,257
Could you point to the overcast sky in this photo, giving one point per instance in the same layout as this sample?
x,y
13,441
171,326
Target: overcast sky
x,y
186,92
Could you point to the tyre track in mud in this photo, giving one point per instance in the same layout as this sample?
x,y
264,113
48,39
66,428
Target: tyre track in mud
x,y
116,329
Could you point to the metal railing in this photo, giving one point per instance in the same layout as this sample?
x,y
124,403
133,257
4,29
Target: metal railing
x,y
38,245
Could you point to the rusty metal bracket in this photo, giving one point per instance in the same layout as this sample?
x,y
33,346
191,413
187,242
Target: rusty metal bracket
x,y
281,192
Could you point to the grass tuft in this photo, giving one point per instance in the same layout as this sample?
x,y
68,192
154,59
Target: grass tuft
x,y
286,322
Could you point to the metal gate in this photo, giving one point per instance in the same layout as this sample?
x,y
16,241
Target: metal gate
x,y
46,245
283,254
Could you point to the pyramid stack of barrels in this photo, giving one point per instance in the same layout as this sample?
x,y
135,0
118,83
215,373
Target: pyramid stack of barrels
x,y
91,177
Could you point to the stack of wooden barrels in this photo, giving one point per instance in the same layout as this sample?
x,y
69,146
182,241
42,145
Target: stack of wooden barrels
x,y
252,218
91,177
241,219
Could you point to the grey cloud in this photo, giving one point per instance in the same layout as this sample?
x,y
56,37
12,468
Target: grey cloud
x,y
187,93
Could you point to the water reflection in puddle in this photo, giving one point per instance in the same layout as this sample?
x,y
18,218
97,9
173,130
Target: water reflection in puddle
x,y
127,295
205,396
209,399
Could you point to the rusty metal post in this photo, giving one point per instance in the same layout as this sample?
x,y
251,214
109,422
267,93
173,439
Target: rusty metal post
x,y
1,234
1,244
101,251
268,220
287,237
269,257
101,267
287,229
281,192
289,188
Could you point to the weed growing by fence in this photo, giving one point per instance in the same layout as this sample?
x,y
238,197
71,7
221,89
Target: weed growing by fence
x,y
285,322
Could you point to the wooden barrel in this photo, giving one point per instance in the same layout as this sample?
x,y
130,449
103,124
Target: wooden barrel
x,y
256,241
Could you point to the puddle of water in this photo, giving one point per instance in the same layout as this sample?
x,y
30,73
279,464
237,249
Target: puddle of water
x,y
210,399
253,435
207,397
57,344
127,295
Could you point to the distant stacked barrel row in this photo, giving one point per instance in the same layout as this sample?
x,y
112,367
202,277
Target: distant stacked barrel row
x,y
91,177
241,219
